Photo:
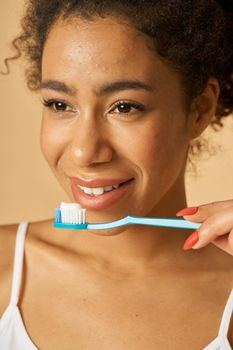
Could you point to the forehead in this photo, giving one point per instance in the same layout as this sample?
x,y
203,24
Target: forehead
x,y
101,44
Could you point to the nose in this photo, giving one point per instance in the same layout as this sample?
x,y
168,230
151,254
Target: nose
x,y
90,143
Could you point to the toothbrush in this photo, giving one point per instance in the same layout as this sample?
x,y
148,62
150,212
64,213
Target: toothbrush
x,y
73,216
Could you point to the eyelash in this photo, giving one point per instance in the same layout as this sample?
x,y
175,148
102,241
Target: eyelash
x,y
51,103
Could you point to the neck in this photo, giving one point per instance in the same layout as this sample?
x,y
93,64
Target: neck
x,y
133,247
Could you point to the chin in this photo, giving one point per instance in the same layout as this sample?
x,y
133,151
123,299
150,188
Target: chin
x,y
109,232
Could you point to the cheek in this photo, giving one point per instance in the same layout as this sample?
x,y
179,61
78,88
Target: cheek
x,y
161,150
52,141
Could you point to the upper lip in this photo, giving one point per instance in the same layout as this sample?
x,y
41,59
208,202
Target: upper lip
x,y
92,183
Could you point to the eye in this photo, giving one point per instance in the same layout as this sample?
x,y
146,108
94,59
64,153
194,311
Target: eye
x,y
56,105
127,107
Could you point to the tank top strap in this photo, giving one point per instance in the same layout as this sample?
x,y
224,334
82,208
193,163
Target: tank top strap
x,y
18,262
226,317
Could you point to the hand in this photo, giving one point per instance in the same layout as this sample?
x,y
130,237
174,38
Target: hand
x,y
216,228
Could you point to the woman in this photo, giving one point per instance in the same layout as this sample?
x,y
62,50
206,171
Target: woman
x,y
127,89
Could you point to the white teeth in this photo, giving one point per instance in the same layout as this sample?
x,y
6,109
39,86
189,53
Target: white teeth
x,y
98,191
108,188
87,190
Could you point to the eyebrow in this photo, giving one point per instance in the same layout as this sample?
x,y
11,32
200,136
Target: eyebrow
x,y
57,86
123,85
103,90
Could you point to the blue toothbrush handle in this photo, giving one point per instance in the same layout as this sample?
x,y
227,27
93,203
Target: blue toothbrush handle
x,y
127,220
175,223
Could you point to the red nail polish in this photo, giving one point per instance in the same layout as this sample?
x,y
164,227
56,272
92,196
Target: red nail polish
x,y
191,241
187,211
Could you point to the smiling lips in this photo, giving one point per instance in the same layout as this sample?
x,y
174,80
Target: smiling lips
x,y
99,193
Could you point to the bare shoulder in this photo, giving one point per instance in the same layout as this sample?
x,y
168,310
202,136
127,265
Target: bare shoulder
x,y
7,249
36,240
7,243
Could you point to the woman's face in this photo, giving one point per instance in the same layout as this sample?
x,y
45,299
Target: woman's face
x,y
98,129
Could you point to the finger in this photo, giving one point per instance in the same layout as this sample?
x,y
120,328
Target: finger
x,y
205,210
216,225
225,242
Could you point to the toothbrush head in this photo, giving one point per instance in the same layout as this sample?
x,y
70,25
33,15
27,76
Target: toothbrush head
x,y
70,215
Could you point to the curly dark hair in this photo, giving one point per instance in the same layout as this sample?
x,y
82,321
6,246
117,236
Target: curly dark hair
x,y
194,36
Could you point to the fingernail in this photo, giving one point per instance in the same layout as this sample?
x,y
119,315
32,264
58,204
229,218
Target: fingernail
x,y
191,241
187,211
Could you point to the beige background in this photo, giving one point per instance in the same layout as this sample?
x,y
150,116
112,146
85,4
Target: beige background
x,y
28,191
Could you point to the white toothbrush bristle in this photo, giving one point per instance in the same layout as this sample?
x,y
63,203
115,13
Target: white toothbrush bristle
x,y
80,217
84,216
72,213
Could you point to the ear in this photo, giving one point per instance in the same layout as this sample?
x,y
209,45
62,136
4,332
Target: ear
x,y
203,108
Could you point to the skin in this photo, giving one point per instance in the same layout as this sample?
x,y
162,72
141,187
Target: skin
x,y
135,281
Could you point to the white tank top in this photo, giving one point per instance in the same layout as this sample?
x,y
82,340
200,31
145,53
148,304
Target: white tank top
x,y
13,335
